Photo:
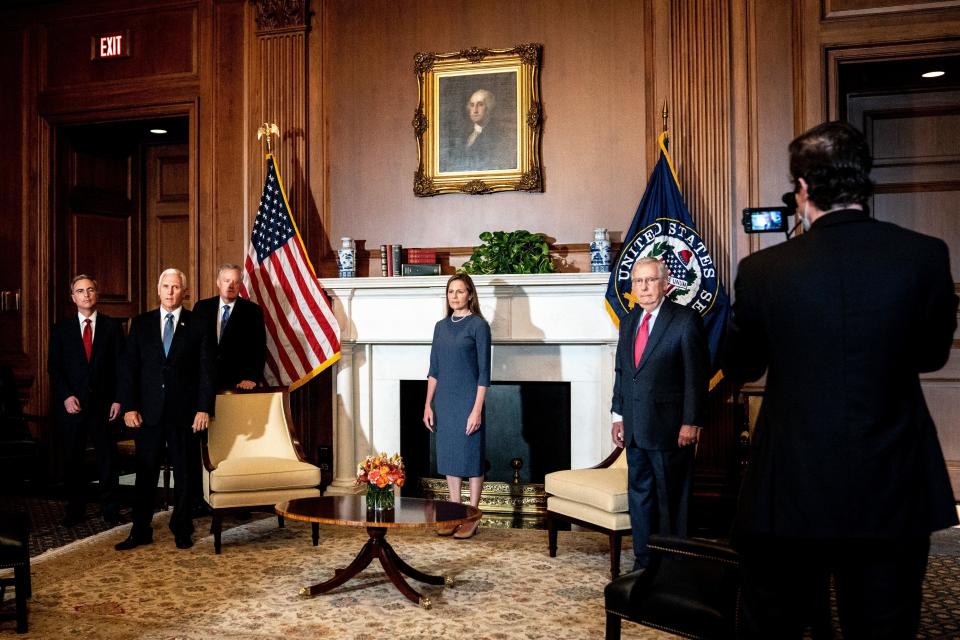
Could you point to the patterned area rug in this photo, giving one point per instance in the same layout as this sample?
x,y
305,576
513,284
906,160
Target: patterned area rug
x,y
506,587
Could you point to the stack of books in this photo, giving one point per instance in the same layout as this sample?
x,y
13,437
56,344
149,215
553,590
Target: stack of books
x,y
421,262
391,260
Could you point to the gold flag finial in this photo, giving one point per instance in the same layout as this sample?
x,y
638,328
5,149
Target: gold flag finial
x,y
665,115
269,130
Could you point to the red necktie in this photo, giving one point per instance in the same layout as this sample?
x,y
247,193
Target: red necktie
x,y
641,341
87,338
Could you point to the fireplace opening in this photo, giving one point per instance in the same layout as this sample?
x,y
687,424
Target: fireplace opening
x,y
526,421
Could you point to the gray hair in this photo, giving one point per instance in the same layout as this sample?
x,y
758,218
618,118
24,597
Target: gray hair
x,y
171,270
229,266
488,98
82,276
661,268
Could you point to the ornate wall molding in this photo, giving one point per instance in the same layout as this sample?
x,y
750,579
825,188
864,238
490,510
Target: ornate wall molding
x,y
701,119
273,15
283,100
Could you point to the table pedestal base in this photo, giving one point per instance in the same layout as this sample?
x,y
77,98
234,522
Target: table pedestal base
x,y
395,568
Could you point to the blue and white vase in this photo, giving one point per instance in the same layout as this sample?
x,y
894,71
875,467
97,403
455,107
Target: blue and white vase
x,y
600,251
347,258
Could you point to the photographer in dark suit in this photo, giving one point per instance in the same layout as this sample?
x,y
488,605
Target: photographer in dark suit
x,y
846,476
658,400
238,330
168,397
83,362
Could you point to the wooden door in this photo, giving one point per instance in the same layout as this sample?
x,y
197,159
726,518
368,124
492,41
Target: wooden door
x,y
97,228
168,220
915,138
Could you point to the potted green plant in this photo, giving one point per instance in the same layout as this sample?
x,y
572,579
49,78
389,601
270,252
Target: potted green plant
x,y
510,252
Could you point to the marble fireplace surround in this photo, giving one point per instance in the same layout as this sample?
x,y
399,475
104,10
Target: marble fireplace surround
x,y
549,327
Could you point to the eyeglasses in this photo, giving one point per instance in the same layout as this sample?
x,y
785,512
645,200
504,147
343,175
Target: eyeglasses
x,y
647,281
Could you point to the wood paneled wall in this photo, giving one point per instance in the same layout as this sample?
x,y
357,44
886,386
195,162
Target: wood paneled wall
x,y
595,140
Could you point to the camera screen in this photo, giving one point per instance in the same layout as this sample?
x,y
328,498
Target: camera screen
x,y
765,219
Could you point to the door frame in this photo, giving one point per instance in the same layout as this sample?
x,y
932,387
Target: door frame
x,y
836,56
48,126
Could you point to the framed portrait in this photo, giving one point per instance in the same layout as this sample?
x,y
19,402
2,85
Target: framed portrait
x,y
479,121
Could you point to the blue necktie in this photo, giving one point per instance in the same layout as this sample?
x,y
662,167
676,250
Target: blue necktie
x,y
167,334
223,321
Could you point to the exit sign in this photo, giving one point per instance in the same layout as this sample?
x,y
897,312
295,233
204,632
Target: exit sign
x,y
110,45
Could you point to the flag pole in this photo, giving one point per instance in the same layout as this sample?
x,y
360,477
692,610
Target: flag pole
x,y
665,115
268,129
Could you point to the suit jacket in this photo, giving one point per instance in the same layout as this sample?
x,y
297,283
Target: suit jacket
x,y
492,149
843,319
94,383
179,383
242,350
669,387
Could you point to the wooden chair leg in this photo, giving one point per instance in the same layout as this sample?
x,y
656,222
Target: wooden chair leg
x,y
280,522
216,525
613,627
316,533
22,577
29,581
616,541
552,535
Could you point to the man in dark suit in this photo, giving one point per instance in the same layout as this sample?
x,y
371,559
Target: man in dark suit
x,y
238,330
83,362
658,401
239,342
168,397
846,474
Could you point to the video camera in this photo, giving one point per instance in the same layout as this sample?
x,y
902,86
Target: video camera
x,y
770,219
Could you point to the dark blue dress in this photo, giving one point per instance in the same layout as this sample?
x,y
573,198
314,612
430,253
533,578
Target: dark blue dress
x,y
460,362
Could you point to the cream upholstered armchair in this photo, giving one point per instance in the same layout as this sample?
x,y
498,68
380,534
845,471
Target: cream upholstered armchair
x,y
251,459
595,498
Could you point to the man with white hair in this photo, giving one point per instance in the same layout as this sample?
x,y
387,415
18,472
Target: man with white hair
x,y
484,147
167,396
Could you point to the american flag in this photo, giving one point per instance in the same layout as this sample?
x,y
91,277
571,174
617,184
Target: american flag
x,y
676,263
303,337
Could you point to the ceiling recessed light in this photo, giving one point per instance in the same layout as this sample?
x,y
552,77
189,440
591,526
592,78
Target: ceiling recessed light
x,y
158,131
934,74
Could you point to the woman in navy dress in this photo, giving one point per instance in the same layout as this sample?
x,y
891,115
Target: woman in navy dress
x,y
457,385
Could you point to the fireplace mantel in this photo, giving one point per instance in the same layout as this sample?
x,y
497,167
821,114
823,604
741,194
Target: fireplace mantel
x,y
543,326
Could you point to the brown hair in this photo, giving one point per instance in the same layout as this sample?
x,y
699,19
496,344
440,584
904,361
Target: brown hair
x,y
472,303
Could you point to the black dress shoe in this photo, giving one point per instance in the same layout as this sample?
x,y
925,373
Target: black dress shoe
x,y
184,541
132,542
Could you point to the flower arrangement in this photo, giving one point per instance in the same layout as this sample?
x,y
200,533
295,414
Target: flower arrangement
x,y
380,473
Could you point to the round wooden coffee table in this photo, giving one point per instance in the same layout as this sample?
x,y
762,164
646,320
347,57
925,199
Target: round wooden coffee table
x,y
351,511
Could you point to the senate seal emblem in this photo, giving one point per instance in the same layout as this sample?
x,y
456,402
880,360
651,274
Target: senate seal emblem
x,y
692,279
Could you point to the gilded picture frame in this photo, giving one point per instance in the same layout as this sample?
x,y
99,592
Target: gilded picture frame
x,y
478,122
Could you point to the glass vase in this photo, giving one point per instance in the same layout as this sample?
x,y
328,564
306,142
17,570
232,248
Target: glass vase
x,y
380,499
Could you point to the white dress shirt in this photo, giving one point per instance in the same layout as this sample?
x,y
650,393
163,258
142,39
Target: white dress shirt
x,y
223,303
93,323
176,319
